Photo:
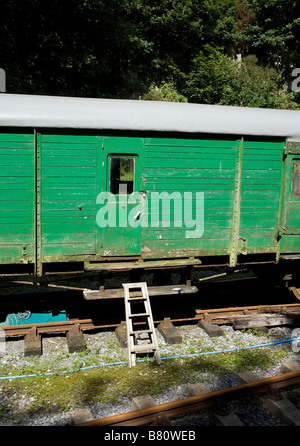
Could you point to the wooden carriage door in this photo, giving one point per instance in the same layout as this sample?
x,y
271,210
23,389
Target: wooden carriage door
x,y
291,207
120,204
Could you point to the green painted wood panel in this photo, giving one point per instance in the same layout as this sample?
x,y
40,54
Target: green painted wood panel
x,y
182,166
290,220
261,181
60,206
183,173
68,196
17,197
120,239
73,172
293,217
175,248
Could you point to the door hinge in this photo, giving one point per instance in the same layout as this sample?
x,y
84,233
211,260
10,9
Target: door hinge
x,y
281,232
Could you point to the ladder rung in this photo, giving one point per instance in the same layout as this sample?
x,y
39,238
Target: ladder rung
x,y
142,347
140,332
137,298
139,314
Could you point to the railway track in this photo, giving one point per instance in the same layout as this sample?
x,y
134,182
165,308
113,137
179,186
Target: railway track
x,y
215,316
208,319
163,413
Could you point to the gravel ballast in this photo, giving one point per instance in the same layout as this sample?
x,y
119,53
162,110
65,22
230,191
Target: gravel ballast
x,y
103,348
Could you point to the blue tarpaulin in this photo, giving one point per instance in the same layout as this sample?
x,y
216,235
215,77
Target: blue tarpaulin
x,y
27,317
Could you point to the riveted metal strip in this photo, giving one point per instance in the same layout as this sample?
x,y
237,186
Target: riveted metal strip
x,y
236,206
38,224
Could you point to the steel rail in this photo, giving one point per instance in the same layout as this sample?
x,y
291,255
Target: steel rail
x,y
200,402
218,315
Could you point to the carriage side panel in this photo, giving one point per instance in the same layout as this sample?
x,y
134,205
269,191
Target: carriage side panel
x,y
17,197
181,169
68,196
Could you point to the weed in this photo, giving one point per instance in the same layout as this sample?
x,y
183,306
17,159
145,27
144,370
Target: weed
x,y
103,385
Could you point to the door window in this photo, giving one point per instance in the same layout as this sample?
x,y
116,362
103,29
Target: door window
x,y
121,175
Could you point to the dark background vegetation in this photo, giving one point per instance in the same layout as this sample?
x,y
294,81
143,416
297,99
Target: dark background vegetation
x,y
231,52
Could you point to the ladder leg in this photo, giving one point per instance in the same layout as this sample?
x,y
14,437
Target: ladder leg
x,y
153,335
157,357
133,346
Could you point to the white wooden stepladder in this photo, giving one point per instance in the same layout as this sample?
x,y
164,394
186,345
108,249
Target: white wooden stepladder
x,y
143,314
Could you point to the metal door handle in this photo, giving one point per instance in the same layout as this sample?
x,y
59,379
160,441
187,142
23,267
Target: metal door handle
x,y
137,216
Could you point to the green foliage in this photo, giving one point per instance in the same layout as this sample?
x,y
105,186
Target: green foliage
x,y
274,34
257,86
171,50
209,79
165,92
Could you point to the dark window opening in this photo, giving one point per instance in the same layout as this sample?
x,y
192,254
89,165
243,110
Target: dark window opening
x,y
121,175
296,179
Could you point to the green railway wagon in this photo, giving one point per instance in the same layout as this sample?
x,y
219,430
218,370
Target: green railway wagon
x,y
124,184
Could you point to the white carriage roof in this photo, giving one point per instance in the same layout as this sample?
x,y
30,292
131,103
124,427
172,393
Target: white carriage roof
x,y
118,114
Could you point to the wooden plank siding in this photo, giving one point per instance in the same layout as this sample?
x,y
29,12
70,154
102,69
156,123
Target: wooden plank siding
x,y
17,197
290,217
49,183
208,166
68,195
261,182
